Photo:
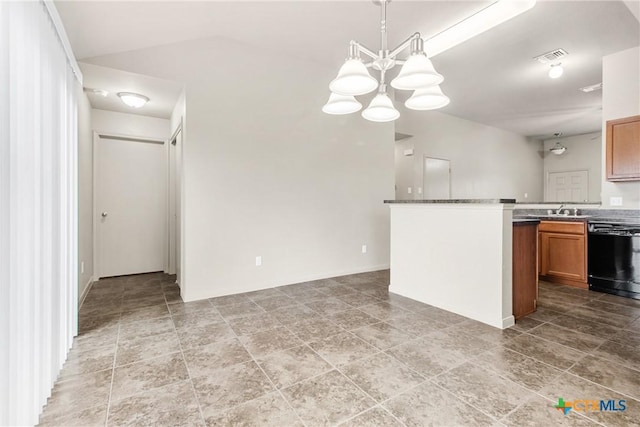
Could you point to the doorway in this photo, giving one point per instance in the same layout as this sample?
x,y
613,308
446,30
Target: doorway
x,y
572,186
174,193
130,205
437,178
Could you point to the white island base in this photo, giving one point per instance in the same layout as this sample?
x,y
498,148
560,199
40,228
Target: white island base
x,y
455,255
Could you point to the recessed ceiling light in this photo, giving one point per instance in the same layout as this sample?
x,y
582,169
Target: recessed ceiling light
x,y
591,88
556,71
489,17
134,100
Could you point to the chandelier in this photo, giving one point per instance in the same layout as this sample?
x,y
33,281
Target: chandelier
x,y
417,74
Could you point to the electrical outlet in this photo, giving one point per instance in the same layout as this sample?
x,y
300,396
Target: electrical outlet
x,y
615,201
526,195
364,249
409,190
258,261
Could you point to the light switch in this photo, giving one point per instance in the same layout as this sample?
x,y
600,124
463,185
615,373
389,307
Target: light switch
x,y
409,190
258,261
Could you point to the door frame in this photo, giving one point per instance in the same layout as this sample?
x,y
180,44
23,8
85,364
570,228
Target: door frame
x,y
96,139
424,171
178,131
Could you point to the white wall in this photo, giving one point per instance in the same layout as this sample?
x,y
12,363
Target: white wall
x,y
266,173
620,98
486,162
112,122
583,153
456,257
85,193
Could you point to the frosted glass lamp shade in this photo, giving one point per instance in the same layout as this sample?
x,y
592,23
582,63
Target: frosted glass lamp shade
x,y
417,72
341,104
429,98
353,79
381,109
558,149
133,100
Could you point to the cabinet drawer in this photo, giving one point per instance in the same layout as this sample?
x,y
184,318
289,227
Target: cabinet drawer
x,y
562,227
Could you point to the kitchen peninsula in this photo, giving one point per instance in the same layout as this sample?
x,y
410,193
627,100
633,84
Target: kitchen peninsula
x,y
455,255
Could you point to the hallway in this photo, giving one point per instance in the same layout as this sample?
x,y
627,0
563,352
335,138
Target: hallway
x,y
341,350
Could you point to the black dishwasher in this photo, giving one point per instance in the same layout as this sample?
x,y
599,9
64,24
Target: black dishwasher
x,y
614,258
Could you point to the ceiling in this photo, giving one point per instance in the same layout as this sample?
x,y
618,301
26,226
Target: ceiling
x,y
490,79
163,94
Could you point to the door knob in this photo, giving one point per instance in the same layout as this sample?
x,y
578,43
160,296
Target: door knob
x,y
104,214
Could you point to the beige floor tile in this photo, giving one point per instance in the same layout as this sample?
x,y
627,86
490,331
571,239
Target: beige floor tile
x,y
382,376
147,375
327,399
375,417
207,359
262,343
610,375
172,405
483,389
79,392
429,405
541,412
230,386
135,350
519,368
343,348
382,335
270,410
293,365
544,351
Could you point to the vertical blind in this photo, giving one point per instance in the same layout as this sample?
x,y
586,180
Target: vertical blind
x,y
38,205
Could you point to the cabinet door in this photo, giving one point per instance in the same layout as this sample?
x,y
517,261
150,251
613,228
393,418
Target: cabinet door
x,y
623,149
525,276
563,256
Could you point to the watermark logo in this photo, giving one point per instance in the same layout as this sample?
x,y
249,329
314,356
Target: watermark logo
x,y
590,405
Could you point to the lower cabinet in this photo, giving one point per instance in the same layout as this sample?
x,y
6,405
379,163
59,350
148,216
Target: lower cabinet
x,y
563,252
525,271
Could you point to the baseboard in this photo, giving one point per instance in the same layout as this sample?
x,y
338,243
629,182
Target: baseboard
x,y
85,292
273,284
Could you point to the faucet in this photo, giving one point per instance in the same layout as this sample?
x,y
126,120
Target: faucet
x,y
558,212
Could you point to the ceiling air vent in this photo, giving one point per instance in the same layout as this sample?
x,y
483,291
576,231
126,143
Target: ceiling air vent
x,y
552,56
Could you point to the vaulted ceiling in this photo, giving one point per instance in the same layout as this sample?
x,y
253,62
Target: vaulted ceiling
x,y
490,79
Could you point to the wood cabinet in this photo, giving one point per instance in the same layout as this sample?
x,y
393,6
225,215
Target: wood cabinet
x,y
525,271
623,149
563,252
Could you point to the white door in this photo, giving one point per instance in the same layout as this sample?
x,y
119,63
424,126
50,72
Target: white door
x,y
437,178
130,205
568,186
175,177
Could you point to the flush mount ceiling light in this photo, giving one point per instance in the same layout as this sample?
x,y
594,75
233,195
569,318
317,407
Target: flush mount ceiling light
x,y
556,71
558,149
134,100
417,72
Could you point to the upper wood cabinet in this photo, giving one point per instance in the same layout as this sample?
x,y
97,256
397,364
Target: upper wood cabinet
x,y
623,149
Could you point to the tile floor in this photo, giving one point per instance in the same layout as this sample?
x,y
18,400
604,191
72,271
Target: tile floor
x,y
341,351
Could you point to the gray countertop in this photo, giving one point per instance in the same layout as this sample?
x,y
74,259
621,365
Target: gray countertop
x,y
460,201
